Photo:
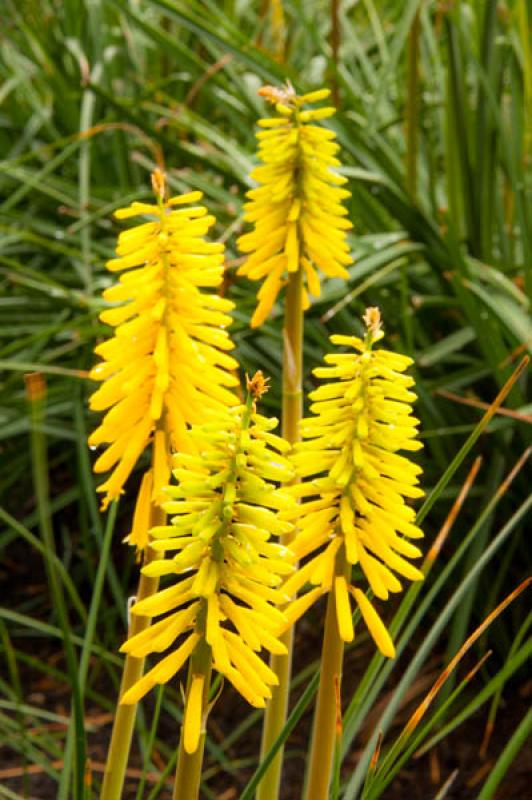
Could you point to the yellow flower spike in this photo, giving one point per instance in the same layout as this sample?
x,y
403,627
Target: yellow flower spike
x,y
225,509
167,361
297,209
353,510
357,482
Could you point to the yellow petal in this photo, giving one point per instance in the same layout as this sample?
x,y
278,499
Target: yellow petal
x,y
376,627
161,464
343,609
193,714
139,537
298,607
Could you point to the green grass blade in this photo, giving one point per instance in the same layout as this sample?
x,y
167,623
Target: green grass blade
x,y
514,745
36,395
355,782
293,719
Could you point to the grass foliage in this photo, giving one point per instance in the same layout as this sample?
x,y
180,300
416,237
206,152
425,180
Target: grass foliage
x,y
435,127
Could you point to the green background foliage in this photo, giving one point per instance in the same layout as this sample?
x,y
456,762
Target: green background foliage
x,y
434,121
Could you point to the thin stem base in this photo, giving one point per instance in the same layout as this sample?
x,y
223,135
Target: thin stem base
x,y
327,717
124,723
276,710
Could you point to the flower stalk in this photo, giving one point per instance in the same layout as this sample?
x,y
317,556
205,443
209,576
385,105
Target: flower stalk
x,y
354,511
293,358
124,721
299,228
164,366
324,728
221,608
147,515
292,406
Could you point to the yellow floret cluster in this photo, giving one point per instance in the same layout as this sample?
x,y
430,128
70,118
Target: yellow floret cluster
x,y
355,487
297,212
227,573
167,362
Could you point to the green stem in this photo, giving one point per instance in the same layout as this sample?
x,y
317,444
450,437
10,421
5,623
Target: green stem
x,y
124,723
188,772
293,357
151,741
327,717
276,711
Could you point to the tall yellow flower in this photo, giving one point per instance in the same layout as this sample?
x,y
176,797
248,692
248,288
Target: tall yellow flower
x,y
166,362
227,574
354,510
297,211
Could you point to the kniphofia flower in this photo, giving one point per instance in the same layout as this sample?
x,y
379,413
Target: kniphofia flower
x,y
355,482
167,361
226,573
297,211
